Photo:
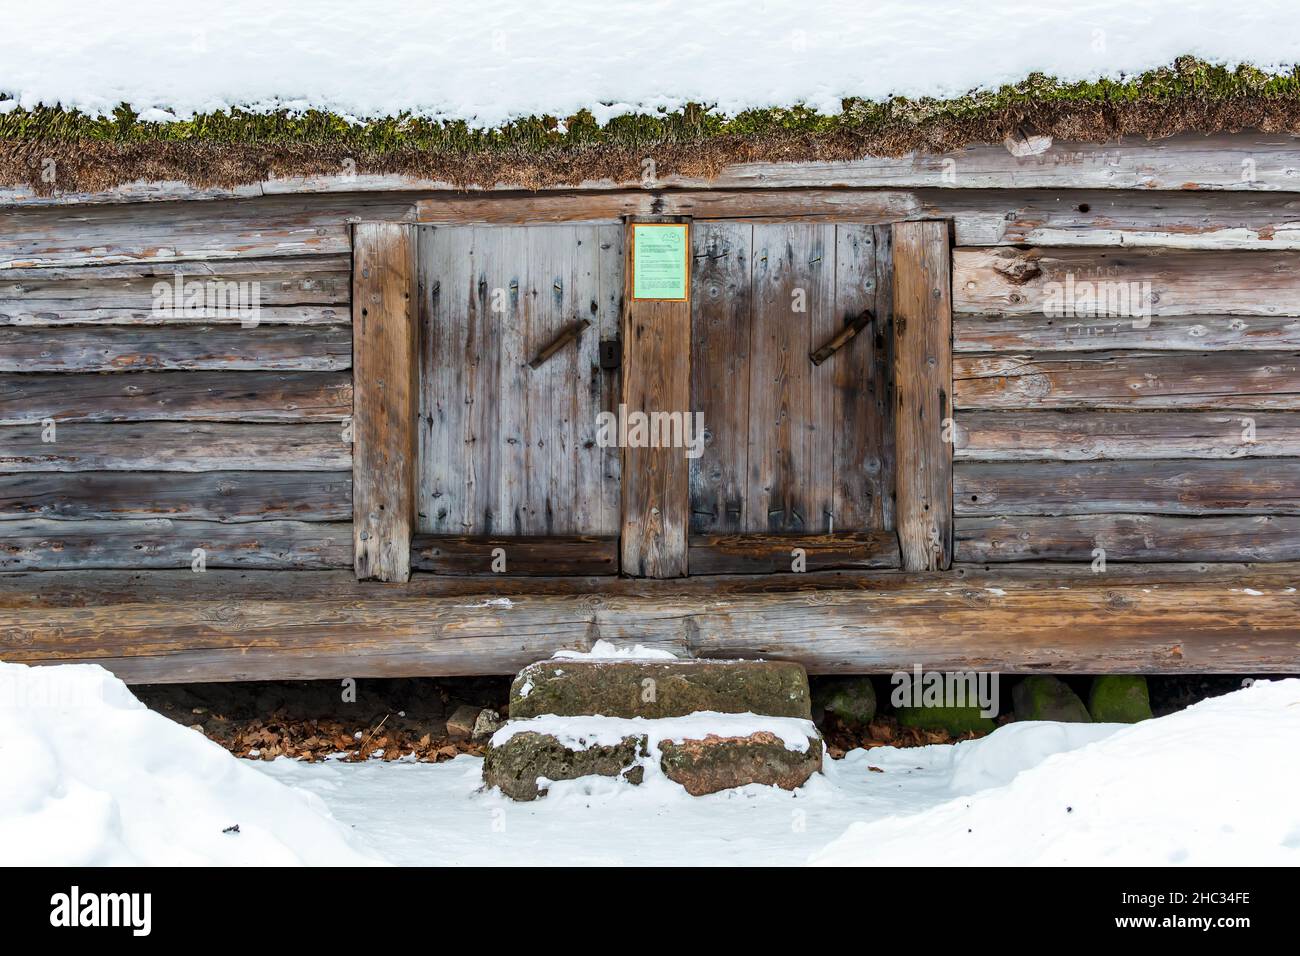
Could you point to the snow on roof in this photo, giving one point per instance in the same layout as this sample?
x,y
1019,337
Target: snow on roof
x,y
499,60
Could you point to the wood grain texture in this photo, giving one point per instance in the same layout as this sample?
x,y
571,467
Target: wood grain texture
x,y
775,553
1086,435
1093,380
656,481
1069,283
40,544
1194,333
176,396
1183,487
250,625
200,347
212,496
1129,537
556,555
175,446
385,349
923,378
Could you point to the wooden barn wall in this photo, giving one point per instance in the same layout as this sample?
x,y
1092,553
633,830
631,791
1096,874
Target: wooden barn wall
x,y
129,438
1168,436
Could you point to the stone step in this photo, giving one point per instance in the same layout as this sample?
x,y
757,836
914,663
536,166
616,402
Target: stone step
x,y
704,753
656,688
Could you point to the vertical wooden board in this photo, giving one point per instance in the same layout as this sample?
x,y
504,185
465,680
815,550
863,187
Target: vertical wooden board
x,y
859,400
883,370
480,477
385,400
819,279
923,389
720,329
610,262
791,268
656,378
544,318
512,416
587,513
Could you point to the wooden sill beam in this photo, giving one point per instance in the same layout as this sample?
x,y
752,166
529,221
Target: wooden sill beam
x,y
172,626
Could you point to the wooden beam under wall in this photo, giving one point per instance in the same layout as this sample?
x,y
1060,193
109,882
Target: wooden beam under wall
x,y
656,378
385,399
923,386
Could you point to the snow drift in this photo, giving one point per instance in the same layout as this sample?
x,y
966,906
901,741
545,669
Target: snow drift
x,y
90,776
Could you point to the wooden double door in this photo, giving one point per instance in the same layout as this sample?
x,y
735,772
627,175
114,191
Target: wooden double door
x,y
796,471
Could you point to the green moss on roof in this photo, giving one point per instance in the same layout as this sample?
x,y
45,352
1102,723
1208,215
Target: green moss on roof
x,y
225,147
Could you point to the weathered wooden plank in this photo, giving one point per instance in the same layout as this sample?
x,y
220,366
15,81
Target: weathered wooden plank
x,y
861,370
211,496
244,625
1244,380
199,347
516,512
104,235
386,355
1129,537
176,396
174,446
582,402
721,315
1108,217
923,377
69,312
1187,487
1076,284
1025,333
791,431
1085,435
488,554
779,553
610,322
39,544
656,378
532,208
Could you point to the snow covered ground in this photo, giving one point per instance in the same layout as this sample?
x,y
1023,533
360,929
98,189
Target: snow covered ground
x,y
511,58
91,776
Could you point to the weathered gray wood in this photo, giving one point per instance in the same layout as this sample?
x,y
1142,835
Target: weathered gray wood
x,y
69,312
174,446
721,319
211,496
1086,435
610,315
1186,487
201,347
176,396
245,625
1245,380
1129,537
1025,333
778,553
536,556
923,378
1077,283
386,352
155,232
39,544
656,481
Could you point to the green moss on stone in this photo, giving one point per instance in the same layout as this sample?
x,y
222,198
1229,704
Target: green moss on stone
x,y
954,720
1119,699
1048,698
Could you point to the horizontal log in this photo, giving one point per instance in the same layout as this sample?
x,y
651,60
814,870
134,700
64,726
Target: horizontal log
x,y
1024,333
1256,486
548,556
39,544
1089,435
174,446
198,347
230,496
155,232
176,396
1129,537
1078,283
44,313
314,280
775,553
1238,380
1111,217
230,625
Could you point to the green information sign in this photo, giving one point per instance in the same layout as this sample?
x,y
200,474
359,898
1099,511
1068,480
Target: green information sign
x,y
660,267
